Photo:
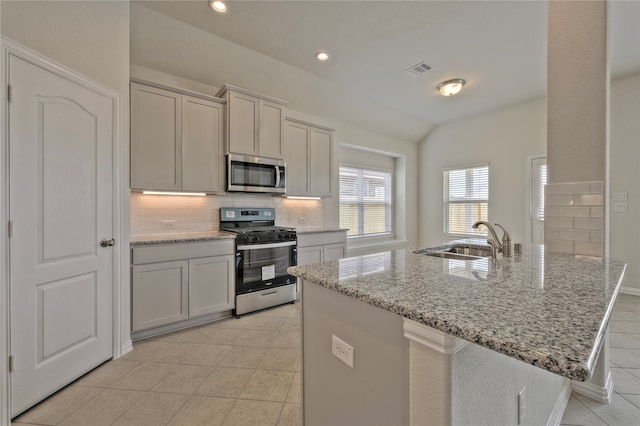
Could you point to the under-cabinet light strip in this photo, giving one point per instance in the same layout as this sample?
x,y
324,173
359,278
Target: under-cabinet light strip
x,y
294,197
191,194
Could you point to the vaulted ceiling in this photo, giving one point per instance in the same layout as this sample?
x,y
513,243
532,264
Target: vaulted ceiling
x,y
498,47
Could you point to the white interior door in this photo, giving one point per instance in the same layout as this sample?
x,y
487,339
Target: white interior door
x,y
538,181
60,204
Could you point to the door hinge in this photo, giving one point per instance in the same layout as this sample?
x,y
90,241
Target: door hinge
x,y
10,93
10,229
10,363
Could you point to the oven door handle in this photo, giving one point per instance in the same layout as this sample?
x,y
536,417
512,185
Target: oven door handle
x,y
277,176
266,246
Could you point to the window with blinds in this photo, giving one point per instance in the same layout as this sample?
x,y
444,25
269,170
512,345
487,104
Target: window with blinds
x,y
466,200
540,180
365,201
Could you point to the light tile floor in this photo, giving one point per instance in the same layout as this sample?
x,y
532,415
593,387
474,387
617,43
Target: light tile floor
x,y
624,357
247,372
233,372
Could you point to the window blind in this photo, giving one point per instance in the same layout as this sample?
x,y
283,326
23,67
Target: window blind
x,y
466,200
541,182
365,201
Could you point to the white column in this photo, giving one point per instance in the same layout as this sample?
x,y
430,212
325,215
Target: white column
x,y
578,83
430,374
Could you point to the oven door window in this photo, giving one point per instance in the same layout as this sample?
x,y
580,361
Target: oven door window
x,y
248,174
259,268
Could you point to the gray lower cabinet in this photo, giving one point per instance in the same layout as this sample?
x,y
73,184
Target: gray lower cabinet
x,y
321,246
182,281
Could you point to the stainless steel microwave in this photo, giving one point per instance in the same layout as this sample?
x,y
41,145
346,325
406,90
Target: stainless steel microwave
x,y
255,174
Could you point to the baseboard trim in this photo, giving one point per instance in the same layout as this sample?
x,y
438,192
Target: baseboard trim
x,y
561,404
630,290
126,347
595,392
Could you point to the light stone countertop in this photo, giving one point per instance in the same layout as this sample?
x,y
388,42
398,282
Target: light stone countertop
x,y
186,237
550,310
312,230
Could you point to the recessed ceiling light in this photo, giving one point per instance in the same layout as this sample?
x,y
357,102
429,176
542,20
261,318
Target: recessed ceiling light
x,y
451,87
218,6
322,55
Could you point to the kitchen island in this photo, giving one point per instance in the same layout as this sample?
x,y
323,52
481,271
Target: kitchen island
x,y
535,320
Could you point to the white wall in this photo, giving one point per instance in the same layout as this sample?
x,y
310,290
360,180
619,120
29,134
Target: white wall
x,y
91,38
506,138
503,138
624,228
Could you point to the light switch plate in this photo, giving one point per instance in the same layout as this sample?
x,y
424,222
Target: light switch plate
x,y
620,207
619,196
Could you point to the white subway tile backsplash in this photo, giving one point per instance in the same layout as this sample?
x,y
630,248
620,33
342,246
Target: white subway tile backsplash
x,y
569,188
573,211
193,214
589,224
589,249
596,187
558,200
573,235
587,200
557,245
559,222
573,217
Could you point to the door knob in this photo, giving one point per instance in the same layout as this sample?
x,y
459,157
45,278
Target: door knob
x,y
107,243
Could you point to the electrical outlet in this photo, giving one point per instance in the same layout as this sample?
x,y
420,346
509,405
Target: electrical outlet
x,y
620,207
342,350
522,403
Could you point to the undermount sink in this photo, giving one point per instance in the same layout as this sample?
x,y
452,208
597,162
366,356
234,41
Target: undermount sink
x,y
461,253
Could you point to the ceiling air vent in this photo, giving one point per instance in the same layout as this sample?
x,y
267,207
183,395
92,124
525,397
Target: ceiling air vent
x,y
419,69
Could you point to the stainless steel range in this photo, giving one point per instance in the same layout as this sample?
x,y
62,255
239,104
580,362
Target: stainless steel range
x,y
263,254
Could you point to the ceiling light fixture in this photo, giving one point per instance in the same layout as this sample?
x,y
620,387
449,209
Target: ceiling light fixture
x,y
322,55
218,6
451,87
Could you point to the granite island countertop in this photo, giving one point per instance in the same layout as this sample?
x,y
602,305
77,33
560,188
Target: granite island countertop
x,y
185,237
549,310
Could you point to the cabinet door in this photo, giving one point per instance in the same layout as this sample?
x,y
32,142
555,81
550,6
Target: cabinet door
x,y
160,294
271,140
243,122
334,251
202,150
155,138
297,148
211,285
307,255
320,164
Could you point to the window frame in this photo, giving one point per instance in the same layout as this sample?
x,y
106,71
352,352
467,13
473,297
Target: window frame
x,y
482,231
391,204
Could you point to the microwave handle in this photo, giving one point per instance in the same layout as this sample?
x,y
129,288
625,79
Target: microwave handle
x,y
277,176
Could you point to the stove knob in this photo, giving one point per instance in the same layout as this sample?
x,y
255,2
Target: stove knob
x,y
253,239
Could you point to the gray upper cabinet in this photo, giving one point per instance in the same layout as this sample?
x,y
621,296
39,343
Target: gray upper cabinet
x,y
202,145
309,158
255,123
176,141
156,149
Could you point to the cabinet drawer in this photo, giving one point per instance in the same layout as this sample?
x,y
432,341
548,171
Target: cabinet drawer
x,y
322,238
178,251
